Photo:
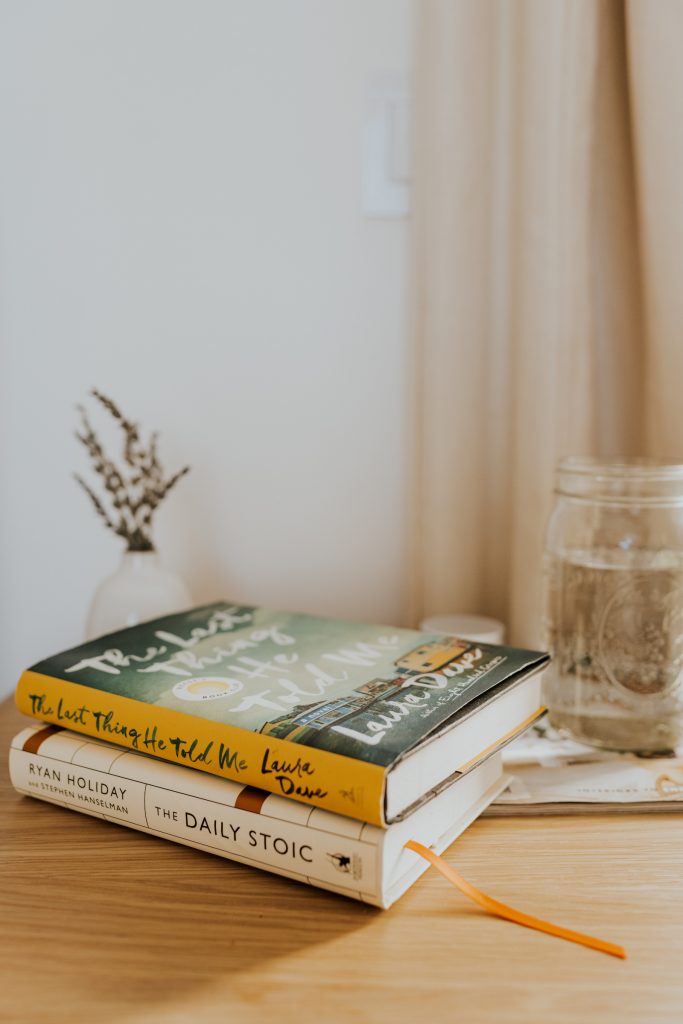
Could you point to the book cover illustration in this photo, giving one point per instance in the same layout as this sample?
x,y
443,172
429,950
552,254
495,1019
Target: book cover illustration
x,y
366,692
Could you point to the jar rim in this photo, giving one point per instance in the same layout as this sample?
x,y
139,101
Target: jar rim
x,y
641,467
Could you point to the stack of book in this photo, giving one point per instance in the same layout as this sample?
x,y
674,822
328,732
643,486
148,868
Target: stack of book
x,y
309,747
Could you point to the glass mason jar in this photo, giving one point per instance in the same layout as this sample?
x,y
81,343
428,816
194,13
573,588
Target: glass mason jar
x,y
613,579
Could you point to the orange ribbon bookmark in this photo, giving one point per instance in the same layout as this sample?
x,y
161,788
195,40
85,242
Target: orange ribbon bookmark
x,y
509,913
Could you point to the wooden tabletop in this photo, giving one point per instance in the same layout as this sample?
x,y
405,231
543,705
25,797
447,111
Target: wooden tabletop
x,y
101,923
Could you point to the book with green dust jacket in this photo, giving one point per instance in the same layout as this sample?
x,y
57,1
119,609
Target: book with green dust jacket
x,y
363,720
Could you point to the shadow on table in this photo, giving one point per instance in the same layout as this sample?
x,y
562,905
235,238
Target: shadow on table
x,y
106,922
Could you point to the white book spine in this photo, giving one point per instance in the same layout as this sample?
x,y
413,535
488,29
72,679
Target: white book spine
x,y
189,807
238,822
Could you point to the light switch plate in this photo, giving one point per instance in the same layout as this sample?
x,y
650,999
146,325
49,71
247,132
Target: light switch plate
x,y
386,172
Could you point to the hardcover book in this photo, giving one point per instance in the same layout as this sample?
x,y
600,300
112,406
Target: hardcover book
x,y
241,823
361,720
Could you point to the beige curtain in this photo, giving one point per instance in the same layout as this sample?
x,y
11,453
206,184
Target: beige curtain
x,y
548,252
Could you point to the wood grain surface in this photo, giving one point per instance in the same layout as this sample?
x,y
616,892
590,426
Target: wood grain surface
x,y
100,923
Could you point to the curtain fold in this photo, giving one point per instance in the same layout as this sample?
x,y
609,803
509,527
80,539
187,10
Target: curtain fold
x,y
543,157
654,32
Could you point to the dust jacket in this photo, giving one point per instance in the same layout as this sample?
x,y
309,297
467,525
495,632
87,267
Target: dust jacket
x,y
318,710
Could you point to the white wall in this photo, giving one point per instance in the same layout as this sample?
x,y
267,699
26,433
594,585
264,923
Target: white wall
x,y
180,226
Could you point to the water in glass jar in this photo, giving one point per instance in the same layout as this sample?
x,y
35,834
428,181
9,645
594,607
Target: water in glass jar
x,y
615,628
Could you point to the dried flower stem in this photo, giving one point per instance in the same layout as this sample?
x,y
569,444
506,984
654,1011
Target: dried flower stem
x,y
134,495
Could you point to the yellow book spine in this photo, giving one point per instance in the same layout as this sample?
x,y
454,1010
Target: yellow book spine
x,y
318,778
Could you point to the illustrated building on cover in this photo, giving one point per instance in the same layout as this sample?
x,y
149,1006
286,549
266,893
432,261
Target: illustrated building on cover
x,y
306,719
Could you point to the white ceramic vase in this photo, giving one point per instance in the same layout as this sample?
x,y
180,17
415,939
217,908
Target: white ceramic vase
x,y
140,589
